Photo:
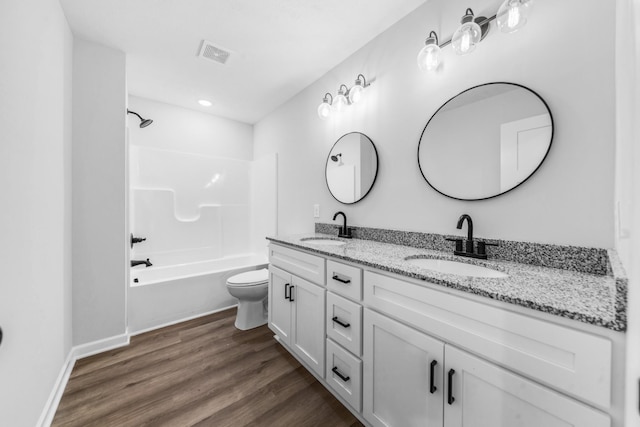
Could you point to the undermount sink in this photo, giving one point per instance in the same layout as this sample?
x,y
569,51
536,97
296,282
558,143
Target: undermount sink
x,y
323,242
455,267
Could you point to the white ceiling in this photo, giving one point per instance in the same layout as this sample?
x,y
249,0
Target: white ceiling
x,y
279,46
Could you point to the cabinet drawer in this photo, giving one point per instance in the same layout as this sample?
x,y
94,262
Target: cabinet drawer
x,y
566,359
301,264
344,323
344,374
344,280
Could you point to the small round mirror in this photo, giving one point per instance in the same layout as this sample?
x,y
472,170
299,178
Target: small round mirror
x,y
485,141
352,167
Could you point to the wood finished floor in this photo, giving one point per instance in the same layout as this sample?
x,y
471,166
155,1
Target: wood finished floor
x,y
203,372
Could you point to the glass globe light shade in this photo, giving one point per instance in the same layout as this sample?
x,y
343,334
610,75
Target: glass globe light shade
x,y
429,57
355,93
513,15
467,36
324,110
340,102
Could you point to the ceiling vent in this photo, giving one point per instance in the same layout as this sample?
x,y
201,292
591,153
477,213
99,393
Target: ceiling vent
x,y
214,53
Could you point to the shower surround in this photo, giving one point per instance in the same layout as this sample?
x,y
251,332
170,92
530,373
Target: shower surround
x,y
199,215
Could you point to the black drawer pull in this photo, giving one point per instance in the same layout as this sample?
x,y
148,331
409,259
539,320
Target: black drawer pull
x,y
432,385
291,293
344,325
286,288
340,279
450,398
342,377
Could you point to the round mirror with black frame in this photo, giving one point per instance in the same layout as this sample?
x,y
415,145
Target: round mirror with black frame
x,y
351,168
485,141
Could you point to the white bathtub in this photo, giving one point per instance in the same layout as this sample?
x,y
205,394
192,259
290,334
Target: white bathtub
x,y
165,294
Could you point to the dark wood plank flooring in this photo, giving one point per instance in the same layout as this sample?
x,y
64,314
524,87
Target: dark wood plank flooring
x,y
203,372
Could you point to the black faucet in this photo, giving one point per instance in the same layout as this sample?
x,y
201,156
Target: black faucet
x,y
469,252
344,231
469,245
135,262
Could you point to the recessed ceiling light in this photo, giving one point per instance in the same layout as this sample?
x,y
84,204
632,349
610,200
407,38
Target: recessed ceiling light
x,y
205,103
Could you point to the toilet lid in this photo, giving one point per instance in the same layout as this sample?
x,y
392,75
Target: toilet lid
x,y
249,278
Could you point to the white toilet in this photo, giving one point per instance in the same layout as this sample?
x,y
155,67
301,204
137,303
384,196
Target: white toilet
x,y
251,290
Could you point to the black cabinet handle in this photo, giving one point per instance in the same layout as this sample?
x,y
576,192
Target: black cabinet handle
x,y
344,325
291,293
342,377
286,287
340,279
432,381
0,335
450,398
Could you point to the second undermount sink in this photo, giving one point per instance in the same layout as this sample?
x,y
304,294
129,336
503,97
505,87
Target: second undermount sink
x,y
322,241
455,267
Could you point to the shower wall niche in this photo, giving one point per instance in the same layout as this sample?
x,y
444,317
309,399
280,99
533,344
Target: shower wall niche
x,y
193,207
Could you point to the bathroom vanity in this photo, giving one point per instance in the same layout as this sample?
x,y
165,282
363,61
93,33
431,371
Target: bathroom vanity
x,y
403,345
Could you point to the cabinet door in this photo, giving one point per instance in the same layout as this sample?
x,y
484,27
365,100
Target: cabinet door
x,y
398,374
484,394
307,329
279,304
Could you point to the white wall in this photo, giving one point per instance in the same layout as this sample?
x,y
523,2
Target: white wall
x,y
628,186
99,193
190,131
35,135
568,201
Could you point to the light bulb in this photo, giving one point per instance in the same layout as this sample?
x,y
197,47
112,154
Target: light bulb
x,y
355,93
340,102
467,35
513,14
324,109
429,55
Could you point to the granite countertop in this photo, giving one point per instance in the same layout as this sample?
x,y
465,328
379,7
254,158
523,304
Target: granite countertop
x,y
589,298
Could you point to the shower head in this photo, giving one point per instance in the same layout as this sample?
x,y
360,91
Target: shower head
x,y
143,122
337,157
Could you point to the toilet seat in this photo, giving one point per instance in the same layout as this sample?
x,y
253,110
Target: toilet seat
x,y
249,278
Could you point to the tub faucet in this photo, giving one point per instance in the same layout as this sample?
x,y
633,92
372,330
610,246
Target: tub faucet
x,y
344,231
135,262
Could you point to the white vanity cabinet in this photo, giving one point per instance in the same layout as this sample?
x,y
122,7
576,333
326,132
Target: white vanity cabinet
x,y
412,379
474,391
297,310
400,353
403,383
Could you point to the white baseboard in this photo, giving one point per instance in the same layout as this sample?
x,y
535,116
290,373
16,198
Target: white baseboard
x,y
46,418
184,319
77,352
95,347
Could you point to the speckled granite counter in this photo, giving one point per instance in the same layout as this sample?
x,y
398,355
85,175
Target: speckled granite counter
x,y
588,298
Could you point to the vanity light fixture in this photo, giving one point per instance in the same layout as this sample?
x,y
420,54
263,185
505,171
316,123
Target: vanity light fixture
x,y
355,93
344,98
324,109
340,102
511,16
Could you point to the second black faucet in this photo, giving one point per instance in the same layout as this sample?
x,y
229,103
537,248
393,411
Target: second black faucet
x,y
469,250
344,231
